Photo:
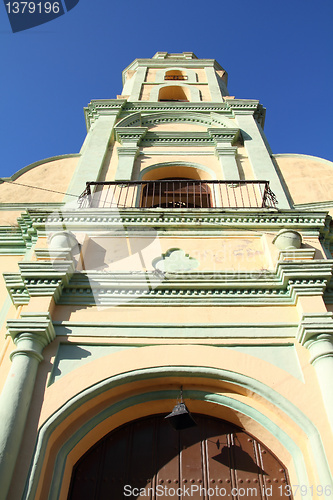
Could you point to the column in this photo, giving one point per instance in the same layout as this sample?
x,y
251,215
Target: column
x,y
260,159
316,333
31,333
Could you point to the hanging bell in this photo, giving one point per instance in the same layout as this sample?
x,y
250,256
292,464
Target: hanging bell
x,y
180,418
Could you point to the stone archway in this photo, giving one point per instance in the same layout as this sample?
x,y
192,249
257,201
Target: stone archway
x,y
147,458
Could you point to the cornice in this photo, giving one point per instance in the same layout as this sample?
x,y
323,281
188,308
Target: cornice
x,y
206,218
11,241
124,108
101,107
284,285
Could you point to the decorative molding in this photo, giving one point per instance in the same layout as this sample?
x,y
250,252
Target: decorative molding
x,y
187,330
36,324
11,241
284,285
203,219
313,324
100,107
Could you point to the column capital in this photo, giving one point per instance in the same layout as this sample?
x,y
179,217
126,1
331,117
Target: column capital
x,y
32,327
242,106
130,151
222,135
130,136
315,327
225,150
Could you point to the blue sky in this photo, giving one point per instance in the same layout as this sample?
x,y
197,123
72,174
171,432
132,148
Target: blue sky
x,y
279,52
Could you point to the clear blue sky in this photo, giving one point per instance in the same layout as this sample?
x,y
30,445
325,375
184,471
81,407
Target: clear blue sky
x,y
280,52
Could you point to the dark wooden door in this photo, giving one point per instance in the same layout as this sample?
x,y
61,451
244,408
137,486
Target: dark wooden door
x,y
148,459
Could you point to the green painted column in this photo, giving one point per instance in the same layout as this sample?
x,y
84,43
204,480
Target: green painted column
x,y
259,156
316,334
93,153
31,333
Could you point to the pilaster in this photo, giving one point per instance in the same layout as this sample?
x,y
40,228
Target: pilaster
x,y
139,79
130,138
93,151
261,162
316,334
31,333
214,88
227,158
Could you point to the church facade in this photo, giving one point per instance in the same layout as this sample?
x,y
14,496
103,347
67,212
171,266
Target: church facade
x,y
175,258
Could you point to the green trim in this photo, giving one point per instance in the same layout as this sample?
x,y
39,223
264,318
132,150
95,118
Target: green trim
x,y
36,164
166,372
182,331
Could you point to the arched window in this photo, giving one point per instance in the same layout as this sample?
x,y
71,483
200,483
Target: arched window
x,y
176,192
174,93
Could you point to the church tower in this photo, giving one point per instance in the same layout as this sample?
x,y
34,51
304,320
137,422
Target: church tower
x,y
174,268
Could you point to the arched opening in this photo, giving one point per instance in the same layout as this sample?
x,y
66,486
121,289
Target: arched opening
x,y
175,74
148,458
176,192
174,93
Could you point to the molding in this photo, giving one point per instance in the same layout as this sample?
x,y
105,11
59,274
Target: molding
x,y
103,219
283,286
176,116
186,330
39,324
11,241
38,279
100,107
314,324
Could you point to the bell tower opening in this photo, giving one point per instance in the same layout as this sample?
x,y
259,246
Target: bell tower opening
x,y
174,93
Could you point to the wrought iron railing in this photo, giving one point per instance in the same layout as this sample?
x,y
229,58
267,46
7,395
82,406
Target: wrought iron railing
x,y
178,193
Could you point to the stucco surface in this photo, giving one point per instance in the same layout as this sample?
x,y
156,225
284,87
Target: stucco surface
x,y
309,179
53,176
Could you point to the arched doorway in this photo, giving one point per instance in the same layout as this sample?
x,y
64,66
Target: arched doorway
x,y
147,458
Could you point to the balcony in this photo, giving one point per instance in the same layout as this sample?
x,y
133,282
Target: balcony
x,y
178,194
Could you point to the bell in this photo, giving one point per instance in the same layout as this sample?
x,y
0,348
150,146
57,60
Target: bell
x,y
180,418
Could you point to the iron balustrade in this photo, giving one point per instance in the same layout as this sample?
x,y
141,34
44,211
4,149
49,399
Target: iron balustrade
x,y
175,77
178,193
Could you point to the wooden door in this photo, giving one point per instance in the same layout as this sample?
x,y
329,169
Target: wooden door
x,y
148,459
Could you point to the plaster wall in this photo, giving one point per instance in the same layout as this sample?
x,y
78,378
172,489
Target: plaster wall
x,y
54,175
309,179
212,253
